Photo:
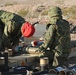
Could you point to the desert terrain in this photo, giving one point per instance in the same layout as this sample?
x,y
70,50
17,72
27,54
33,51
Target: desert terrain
x,y
34,10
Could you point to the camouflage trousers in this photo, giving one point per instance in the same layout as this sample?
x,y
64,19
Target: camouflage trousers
x,y
4,41
1,47
56,60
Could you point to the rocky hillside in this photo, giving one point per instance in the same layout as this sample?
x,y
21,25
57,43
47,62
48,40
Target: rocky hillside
x,y
33,10
66,3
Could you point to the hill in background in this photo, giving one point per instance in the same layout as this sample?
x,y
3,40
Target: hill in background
x,y
33,10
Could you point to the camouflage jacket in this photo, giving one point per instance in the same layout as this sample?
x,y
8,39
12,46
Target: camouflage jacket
x,y
10,25
57,36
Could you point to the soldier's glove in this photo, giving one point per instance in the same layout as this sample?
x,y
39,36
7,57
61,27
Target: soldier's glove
x,y
40,49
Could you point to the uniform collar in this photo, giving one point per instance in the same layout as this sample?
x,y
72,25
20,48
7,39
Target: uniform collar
x,y
53,20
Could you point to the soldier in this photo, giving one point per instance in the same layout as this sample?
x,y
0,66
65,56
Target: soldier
x,y
12,27
56,38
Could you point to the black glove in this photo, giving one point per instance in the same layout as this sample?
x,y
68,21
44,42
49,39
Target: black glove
x,y
40,49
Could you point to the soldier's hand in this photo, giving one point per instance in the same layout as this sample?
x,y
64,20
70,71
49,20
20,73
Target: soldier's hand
x,y
40,49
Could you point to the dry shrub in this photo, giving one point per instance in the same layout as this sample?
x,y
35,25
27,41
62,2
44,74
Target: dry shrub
x,y
23,12
70,12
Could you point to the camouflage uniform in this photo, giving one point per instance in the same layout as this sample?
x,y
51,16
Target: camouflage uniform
x,y
57,38
10,28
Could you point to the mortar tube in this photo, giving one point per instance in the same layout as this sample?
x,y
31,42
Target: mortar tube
x,y
32,50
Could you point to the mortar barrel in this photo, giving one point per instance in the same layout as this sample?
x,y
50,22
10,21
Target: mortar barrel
x,y
32,50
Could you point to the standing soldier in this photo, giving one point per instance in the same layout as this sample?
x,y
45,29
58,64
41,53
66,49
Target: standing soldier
x,y
12,27
56,38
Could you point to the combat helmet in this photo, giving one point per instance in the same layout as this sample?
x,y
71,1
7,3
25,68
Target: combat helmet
x,y
54,11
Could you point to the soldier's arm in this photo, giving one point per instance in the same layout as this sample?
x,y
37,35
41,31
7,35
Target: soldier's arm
x,y
49,37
